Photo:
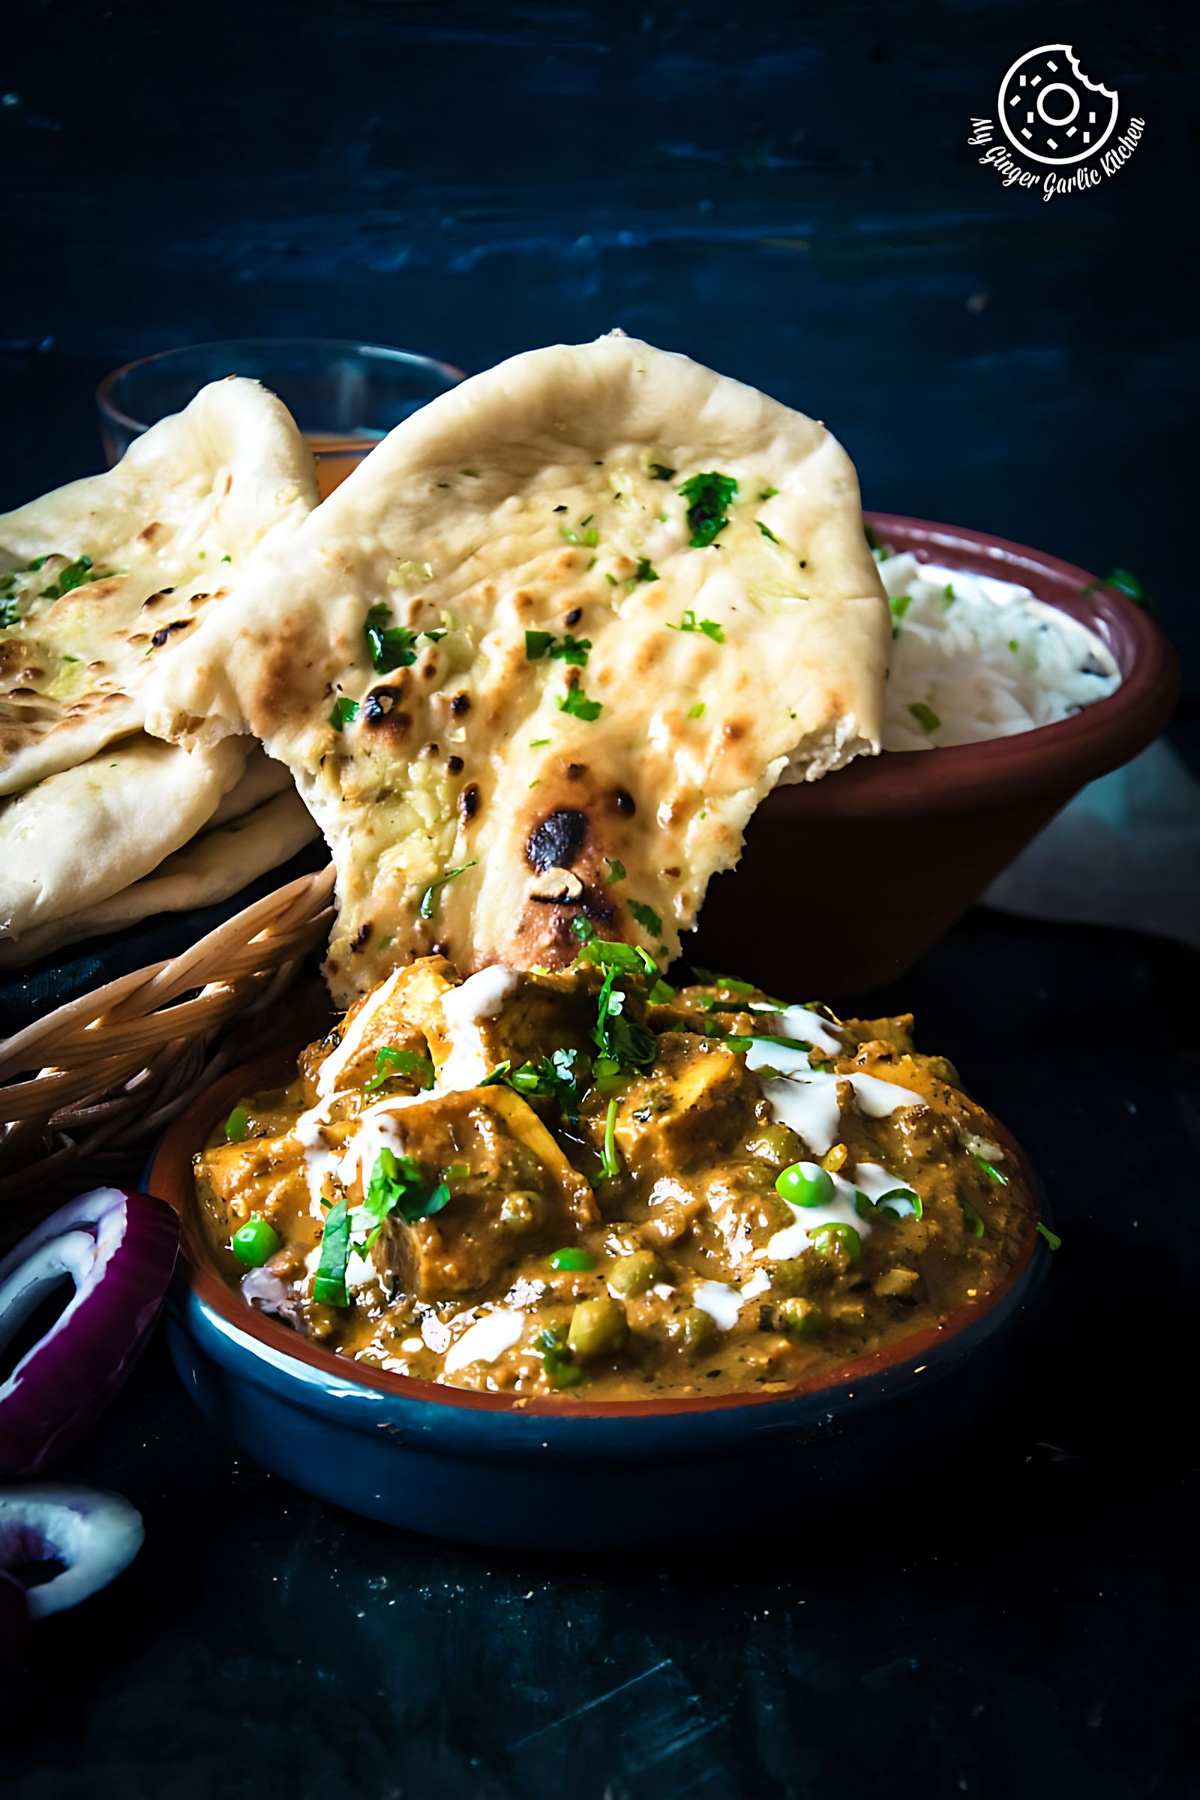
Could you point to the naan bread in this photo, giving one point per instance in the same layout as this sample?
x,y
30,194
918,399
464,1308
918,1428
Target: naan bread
x,y
103,580
83,835
736,637
212,867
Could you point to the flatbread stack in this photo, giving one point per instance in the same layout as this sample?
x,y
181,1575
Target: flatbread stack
x,y
101,585
536,662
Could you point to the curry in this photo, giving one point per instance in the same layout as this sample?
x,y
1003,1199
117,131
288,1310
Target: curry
x,y
597,1186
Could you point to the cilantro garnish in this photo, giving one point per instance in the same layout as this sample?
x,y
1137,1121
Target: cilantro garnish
x,y
576,702
646,917
767,493
643,572
660,472
709,627
10,614
697,711
609,1164
429,898
925,716
898,606
583,928
570,650
329,1284
616,871
561,1077
708,496
1125,582
344,711
76,574
391,645
622,1042
389,1062
398,1185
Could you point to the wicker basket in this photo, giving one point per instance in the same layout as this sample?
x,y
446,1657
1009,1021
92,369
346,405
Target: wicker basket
x,y
106,1071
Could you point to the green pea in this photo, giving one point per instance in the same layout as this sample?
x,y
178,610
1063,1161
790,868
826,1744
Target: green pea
x,y
825,1237
693,1328
775,1144
635,1274
598,1328
255,1241
803,1319
573,1257
805,1184
520,1213
237,1125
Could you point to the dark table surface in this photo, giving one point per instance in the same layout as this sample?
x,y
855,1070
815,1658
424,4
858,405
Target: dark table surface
x,y
1017,1621
783,191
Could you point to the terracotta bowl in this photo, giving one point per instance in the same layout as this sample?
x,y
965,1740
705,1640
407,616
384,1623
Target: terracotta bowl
x,y
548,1474
846,882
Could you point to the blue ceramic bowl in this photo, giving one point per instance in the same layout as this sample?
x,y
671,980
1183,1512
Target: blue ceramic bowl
x,y
544,1474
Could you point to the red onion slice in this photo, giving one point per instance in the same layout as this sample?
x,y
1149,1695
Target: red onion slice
x,y
118,1250
94,1534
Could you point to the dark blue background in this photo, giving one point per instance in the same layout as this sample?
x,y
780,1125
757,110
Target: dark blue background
x,y
785,192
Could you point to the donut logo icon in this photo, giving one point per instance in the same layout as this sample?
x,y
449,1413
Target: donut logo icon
x,y
1050,111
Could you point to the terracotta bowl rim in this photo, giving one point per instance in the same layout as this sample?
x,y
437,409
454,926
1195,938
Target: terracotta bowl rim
x,y
169,1178
1050,759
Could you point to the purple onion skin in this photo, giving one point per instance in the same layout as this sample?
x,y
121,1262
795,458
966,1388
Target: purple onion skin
x,y
69,1377
14,1620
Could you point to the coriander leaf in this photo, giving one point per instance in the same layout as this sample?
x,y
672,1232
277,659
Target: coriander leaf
x,y
538,644
624,1042
708,496
646,917
583,928
1125,582
608,1160
10,614
630,959
429,898
572,650
660,472
575,702
398,1185
344,711
329,1284
709,627
925,716
899,605
391,645
389,1062
768,493
76,574
643,572
616,871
